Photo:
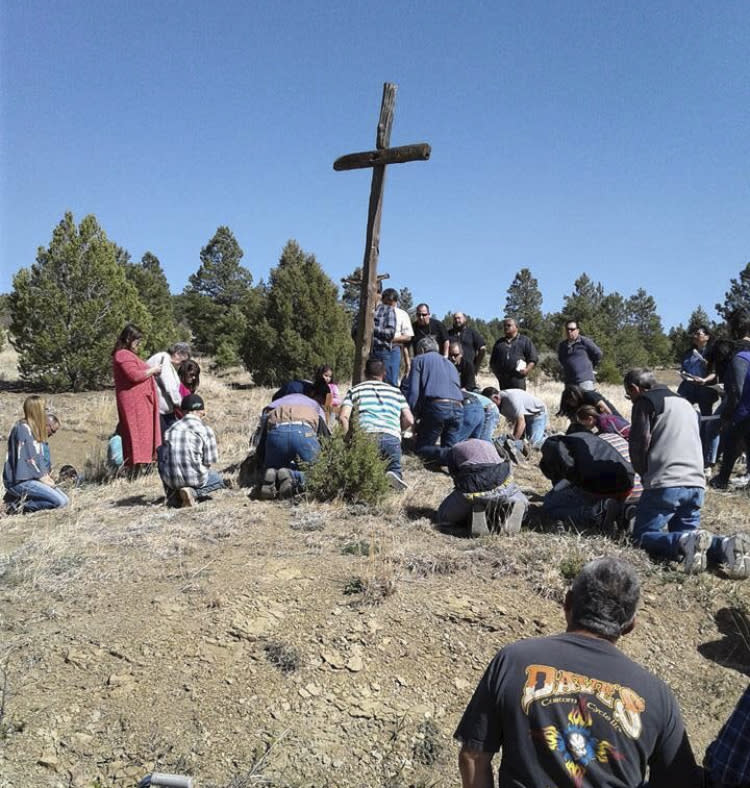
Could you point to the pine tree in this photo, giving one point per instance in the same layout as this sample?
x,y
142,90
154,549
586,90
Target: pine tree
x,y
219,298
524,304
68,308
350,291
736,307
302,325
643,316
153,291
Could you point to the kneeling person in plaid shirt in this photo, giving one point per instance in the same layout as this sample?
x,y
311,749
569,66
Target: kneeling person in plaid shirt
x,y
190,450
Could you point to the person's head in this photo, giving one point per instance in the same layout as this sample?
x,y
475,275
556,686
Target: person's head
x,y
426,345
700,337
189,373
319,391
423,314
390,296
636,381
193,405
129,339
459,320
36,417
572,330
53,424
494,394
586,416
510,327
455,352
570,400
603,598
374,369
179,352
325,373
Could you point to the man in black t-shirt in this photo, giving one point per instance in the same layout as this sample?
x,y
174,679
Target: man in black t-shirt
x,y
427,326
472,343
572,709
513,357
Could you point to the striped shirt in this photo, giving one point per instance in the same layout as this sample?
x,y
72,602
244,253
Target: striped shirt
x,y
378,406
619,443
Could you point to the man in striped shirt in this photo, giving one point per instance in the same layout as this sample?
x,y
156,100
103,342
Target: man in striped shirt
x,y
381,411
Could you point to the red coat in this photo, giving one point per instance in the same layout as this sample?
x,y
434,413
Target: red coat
x,y
137,407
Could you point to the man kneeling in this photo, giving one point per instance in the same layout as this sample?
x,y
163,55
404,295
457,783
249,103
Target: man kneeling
x,y
190,450
485,495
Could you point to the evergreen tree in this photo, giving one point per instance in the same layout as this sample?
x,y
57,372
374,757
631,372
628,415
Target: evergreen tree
x,y
643,316
302,325
584,303
405,299
350,292
153,292
736,307
68,308
524,304
219,298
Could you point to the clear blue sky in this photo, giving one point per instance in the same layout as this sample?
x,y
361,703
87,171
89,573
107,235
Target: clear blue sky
x,y
608,138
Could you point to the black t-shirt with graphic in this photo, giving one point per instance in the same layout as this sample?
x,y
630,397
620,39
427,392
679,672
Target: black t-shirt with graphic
x,y
573,710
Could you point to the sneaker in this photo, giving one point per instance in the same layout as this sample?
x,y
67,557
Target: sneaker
x,y
717,484
285,483
187,497
514,518
526,449
735,551
510,449
740,481
396,482
267,490
629,518
694,545
610,515
479,525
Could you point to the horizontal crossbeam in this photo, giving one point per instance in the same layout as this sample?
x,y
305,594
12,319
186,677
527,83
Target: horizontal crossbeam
x,y
374,158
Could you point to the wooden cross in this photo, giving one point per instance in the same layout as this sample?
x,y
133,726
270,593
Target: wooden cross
x,y
378,160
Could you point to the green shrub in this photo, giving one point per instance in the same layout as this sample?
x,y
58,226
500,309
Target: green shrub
x,y
348,467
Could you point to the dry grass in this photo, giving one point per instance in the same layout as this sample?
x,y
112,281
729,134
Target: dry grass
x,y
232,620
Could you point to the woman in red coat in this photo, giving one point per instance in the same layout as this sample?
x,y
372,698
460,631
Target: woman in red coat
x,y
137,400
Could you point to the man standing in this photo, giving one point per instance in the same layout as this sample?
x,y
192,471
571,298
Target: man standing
x,y
189,452
382,411
665,449
578,356
435,399
526,414
472,343
572,709
168,381
384,327
427,326
513,357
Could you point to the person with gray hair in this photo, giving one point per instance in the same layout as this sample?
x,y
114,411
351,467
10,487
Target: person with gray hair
x,y
435,398
168,381
666,451
572,709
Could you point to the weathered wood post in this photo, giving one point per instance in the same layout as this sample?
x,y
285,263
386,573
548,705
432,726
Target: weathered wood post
x,y
378,160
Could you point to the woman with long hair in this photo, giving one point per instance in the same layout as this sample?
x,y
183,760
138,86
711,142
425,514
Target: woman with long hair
x,y
189,373
28,484
137,400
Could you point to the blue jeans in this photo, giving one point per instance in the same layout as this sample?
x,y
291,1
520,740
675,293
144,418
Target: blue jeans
x,y
491,418
390,449
213,482
570,503
472,422
286,444
438,420
392,360
34,496
676,509
534,431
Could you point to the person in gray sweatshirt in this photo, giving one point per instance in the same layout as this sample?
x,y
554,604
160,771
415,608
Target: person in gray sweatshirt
x,y
665,449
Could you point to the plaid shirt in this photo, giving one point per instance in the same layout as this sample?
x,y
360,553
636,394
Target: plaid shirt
x,y
383,327
728,758
190,450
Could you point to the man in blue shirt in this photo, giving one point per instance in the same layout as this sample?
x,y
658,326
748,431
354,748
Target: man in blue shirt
x,y
727,760
578,356
435,399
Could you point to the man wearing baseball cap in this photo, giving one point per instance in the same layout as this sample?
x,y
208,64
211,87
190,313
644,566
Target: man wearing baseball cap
x,y
190,450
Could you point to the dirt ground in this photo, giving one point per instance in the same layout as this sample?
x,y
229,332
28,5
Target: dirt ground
x,y
297,644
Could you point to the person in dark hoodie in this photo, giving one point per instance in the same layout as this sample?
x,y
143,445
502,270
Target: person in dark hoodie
x,y
485,496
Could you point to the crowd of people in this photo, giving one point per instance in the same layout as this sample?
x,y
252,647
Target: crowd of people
x,y
566,709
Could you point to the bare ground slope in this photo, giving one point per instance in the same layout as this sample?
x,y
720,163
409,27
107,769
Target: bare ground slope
x,y
254,643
